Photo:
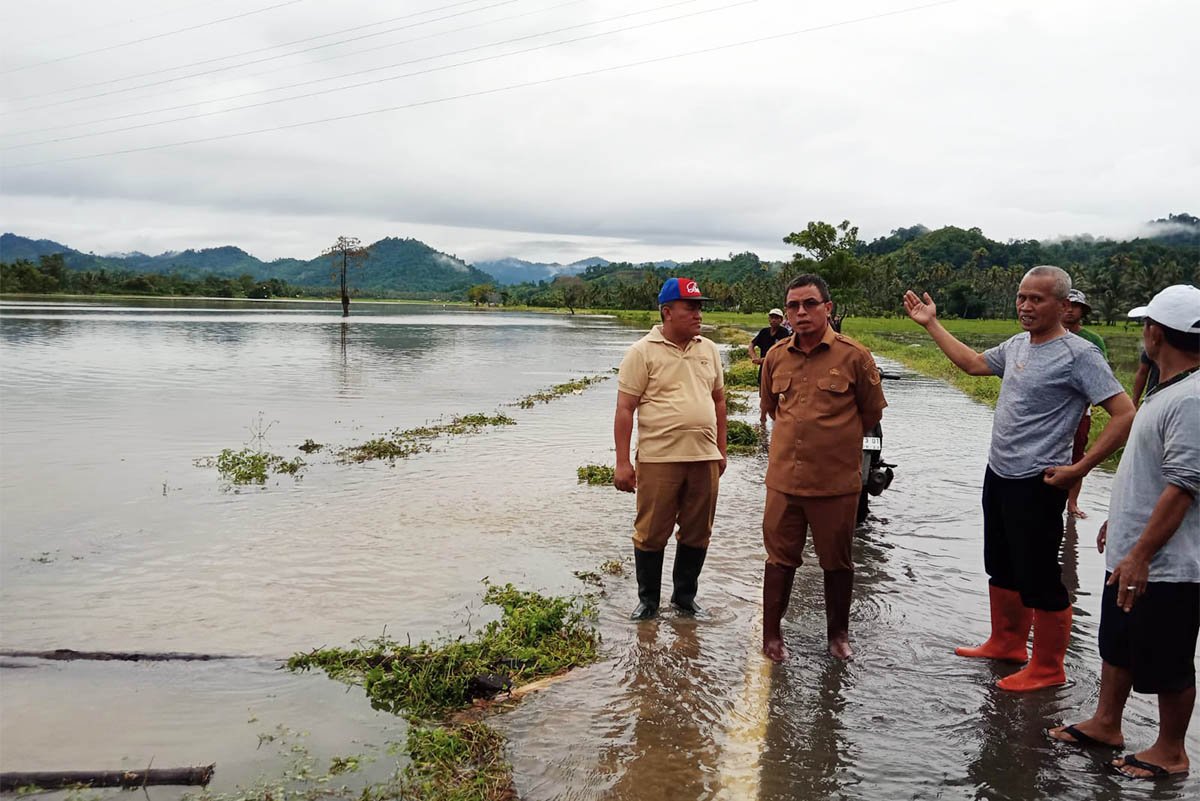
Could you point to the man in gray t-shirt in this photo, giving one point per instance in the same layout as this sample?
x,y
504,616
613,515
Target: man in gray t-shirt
x,y
1150,608
1048,378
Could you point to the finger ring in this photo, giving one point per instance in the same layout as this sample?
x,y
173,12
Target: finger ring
x,y
1131,588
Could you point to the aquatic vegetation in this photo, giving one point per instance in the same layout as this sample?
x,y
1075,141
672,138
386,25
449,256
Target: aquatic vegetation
x,y
589,577
308,446
445,763
613,567
535,637
597,475
558,390
456,763
737,402
742,373
401,444
742,439
249,466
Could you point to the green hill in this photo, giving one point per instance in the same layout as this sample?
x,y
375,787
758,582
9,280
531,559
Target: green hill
x,y
396,267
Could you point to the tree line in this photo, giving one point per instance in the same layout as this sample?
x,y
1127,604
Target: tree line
x,y
970,275
51,275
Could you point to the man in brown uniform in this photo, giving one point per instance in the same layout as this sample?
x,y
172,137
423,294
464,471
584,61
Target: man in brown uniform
x,y
823,391
672,378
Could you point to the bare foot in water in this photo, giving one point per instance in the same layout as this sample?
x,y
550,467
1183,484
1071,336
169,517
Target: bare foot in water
x,y
839,648
775,650
1074,511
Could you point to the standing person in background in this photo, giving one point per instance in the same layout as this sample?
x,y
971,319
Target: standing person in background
x,y
1146,377
1150,608
823,391
1047,379
763,342
1077,311
673,380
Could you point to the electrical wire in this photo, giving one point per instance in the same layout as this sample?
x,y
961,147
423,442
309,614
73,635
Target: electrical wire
x,y
494,90
253,52
378,69
150,38
357,52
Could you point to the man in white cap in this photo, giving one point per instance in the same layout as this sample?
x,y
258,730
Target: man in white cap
x,y
1076,312
763,342
1150,609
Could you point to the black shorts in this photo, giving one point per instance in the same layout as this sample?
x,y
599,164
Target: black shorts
x,y
1156,639
1022,534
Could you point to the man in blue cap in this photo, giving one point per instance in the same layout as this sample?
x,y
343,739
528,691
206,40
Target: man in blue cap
x,y
672,379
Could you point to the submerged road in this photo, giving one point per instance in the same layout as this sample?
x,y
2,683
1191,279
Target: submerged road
x,y
113,540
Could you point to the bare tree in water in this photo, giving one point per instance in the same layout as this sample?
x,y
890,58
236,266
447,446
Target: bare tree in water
x,y
347,252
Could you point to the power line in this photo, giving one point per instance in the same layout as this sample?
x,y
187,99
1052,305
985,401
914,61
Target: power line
x,y
343,55
386,67
150,38
252,52
495,90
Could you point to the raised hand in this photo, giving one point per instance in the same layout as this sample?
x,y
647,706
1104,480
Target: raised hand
x,y
922,312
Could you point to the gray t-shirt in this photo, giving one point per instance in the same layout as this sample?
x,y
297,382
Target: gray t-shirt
x,y
1163,448
1044,391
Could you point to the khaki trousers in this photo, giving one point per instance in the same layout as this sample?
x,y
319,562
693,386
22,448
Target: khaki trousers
x,y
670,493
787,518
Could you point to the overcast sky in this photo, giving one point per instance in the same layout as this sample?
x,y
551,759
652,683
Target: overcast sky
x,y
553,130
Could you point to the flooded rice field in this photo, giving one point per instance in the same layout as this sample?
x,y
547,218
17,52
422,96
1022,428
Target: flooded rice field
x,y
112,538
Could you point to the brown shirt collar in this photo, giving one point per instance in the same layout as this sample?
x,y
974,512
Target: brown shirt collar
x,y
827,339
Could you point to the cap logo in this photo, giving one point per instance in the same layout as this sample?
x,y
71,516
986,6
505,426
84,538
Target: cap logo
x,y
691,289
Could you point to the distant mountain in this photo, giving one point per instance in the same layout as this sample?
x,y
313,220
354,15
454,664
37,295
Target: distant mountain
x,y
15,248
518,271
395,266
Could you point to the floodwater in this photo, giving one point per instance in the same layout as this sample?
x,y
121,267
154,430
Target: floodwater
x,y
111,538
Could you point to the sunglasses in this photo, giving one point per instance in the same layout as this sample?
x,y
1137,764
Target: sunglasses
x,y
809,305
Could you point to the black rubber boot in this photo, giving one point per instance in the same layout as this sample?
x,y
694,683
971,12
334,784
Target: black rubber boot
x,y
648,565
686,576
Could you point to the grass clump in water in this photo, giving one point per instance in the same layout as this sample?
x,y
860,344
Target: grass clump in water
x,y
571,387
737,402
535,637
456,763
742,373
401,444
309,446
742,439
249,466
597,475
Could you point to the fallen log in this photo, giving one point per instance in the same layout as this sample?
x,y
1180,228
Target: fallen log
x,y
117,656
59,779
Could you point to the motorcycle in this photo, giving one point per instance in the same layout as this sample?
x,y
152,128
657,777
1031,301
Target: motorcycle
x,y
877,474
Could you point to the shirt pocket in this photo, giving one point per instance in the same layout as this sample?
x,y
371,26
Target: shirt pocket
x,y
835,384
780,384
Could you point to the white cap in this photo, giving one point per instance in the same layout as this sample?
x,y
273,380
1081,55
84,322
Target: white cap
x,y
1176,307
774,313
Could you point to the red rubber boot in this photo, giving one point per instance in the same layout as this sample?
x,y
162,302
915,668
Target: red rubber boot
x,y
1011,620
1051,633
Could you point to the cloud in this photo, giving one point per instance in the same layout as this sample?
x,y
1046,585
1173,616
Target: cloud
x,y
1026,119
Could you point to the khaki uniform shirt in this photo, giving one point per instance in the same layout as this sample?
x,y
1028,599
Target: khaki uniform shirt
x,y
676,416
819,399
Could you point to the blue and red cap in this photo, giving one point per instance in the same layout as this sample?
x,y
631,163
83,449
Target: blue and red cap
x,y
679,289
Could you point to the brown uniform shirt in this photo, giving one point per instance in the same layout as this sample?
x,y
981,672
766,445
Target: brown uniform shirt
x,y
819,399
676,415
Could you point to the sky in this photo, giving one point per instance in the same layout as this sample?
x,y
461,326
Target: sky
x,y
552,130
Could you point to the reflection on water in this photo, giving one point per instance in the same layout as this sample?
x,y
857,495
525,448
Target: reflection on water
x,y
112,539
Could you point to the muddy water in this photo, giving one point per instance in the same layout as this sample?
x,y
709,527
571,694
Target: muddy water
x,y
112,539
